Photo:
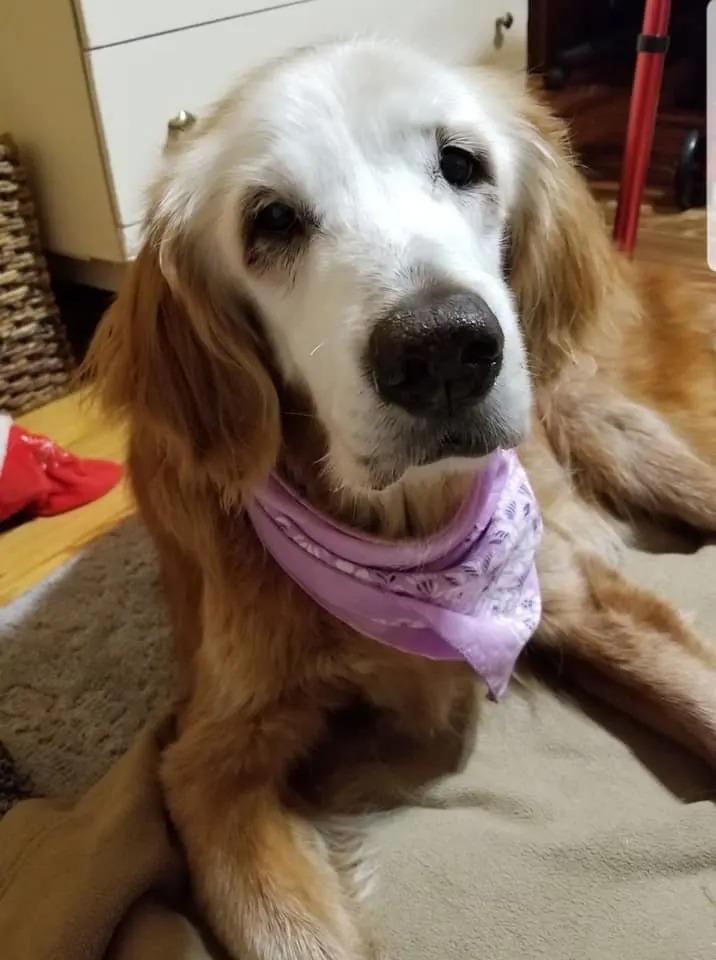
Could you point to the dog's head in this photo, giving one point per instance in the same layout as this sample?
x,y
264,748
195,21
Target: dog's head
x,y
364,238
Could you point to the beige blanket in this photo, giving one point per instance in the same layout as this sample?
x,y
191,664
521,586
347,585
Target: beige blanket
x,y
571,834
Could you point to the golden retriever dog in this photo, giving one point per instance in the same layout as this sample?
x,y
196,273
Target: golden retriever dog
x,y
334,189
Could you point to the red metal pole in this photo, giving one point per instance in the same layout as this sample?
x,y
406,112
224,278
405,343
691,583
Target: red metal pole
x,y
642,118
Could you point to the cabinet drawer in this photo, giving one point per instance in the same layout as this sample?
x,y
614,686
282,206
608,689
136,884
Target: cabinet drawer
x,y
103,22
140,86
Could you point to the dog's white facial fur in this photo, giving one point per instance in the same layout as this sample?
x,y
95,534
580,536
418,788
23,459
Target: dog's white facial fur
x,y
349,135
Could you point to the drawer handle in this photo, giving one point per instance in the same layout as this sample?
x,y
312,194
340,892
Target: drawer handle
x,y
180,123
501,24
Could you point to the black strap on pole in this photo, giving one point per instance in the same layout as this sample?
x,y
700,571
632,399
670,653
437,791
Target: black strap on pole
x,y
651,43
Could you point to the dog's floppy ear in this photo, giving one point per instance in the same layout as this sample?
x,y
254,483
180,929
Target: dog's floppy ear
x,y
561,264
183,364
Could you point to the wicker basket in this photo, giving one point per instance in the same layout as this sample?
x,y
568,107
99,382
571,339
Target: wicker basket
x,y
35,359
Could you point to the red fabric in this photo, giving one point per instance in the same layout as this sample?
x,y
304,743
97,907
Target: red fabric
x,y
41,479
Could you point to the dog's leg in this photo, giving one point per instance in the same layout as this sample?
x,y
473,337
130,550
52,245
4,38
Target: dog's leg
x,y
627,455
627,646
261,872
412,724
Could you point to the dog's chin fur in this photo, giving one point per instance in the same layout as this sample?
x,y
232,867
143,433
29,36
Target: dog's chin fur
x,y
425,452
232,357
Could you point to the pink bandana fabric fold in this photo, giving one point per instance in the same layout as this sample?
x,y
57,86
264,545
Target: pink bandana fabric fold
x,y
468,592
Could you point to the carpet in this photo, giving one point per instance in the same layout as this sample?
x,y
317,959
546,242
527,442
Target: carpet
x,y
84,661
570,831
85,656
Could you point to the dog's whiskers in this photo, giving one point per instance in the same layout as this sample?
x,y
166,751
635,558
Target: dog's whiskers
x,y
298,413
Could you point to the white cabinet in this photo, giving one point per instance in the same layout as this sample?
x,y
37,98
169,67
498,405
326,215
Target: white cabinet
x,y
88,96
103,22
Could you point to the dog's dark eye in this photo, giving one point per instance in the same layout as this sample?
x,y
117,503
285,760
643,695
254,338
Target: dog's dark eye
x,y
460,168
276,217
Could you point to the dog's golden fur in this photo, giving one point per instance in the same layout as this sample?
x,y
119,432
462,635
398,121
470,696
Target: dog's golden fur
x,y
625,424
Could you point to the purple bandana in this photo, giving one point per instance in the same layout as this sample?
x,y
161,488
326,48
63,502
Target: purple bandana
x,y
470,591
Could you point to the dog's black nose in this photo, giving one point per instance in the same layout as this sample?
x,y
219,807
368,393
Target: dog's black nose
x,y
436,355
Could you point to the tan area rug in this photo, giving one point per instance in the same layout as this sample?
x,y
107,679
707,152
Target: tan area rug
x,y
84,660
571,833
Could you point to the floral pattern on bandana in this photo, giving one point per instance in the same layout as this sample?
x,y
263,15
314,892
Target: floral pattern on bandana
x,y
481,571
490,580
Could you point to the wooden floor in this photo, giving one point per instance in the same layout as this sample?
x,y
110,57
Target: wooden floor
x,y
29,552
